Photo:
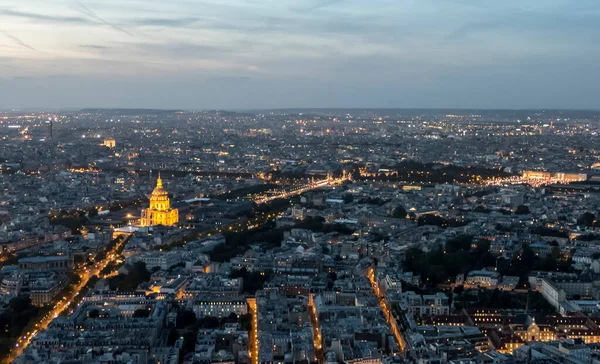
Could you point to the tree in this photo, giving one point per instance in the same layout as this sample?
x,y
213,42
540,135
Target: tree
x,y
185,318
527,256
108,269
348,198
502,265
252,281
522,210
232,318
14,319
137,273
245,322
588,237
462,242
481,209
172,338
314,223
100,256
19,304
209,322
430,219
189,341
94,313
141,313
399,212
459,289
587,219
482,247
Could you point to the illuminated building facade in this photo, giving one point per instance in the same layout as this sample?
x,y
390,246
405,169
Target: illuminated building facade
x,y
160,211
558,177
109,143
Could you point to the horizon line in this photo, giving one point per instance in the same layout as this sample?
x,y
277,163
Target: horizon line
x,y
235,109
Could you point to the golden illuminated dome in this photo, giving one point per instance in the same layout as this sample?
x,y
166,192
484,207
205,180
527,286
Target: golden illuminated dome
x,y
159,212
159,191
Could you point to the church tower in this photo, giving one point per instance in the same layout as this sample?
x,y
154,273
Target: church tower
x,y
160,211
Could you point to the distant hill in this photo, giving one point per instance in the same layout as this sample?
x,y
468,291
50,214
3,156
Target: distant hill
x,y
125,111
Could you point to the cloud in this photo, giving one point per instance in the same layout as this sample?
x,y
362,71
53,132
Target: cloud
x,y
319,4
9,63
44,17
524,24
165,22
469,29
92,14
354,45
93,46
19,41
471,4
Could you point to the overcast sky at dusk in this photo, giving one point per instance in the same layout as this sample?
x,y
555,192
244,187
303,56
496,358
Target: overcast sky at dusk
x,y
303,53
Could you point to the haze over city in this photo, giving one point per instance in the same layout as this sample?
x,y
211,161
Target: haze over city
x,y
243,54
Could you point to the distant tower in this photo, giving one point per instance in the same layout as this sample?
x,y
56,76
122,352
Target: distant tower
x,y
49,123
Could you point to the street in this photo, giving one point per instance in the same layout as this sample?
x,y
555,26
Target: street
x,y
63,303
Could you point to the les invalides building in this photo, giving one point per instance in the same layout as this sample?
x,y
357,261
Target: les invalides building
x,y
160,211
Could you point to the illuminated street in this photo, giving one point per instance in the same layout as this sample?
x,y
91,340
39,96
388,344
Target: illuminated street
x,y
253,349
63,303
388,314
314,319
300,190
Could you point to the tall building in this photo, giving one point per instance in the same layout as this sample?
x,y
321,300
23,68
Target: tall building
x,y
50,126
160,211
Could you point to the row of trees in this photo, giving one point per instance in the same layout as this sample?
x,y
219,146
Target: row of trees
x,y
74,220
317,224
18,315
252,281
250,190
462,255
588,219
269,237
436,173
442,266
137,273
431,219
496,299
238,243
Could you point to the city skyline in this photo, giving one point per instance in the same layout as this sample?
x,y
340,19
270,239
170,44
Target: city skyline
x,y
250,55
299,182
334,236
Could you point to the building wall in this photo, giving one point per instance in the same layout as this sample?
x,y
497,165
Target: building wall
x,y
219,308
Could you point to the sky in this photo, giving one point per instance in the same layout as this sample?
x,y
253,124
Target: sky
x,y
252,54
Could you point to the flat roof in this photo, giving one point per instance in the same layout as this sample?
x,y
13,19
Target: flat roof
x,y
197,199
43,259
